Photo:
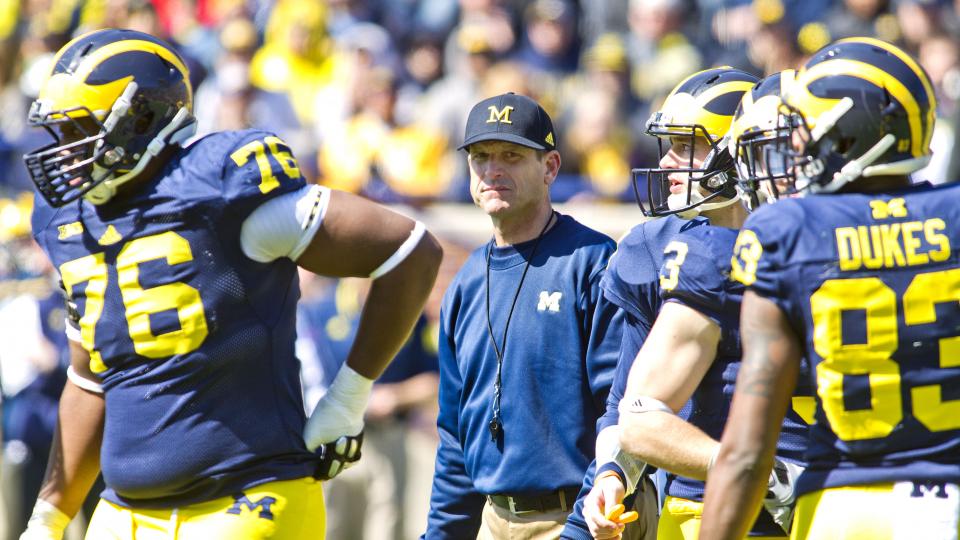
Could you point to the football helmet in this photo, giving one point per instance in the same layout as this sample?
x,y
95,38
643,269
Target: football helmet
x,y
755,134
698,111
113,101
860,107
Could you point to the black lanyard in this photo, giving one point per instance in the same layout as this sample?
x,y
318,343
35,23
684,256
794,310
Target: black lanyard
x,y
496,426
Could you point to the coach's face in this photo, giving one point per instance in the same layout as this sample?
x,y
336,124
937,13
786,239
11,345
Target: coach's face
x,y
508,179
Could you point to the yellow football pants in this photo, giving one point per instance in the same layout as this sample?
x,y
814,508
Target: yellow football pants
x,y
680,520
283,510
885,511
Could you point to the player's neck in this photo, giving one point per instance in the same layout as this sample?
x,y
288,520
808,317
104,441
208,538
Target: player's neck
x,y
511,230
731,216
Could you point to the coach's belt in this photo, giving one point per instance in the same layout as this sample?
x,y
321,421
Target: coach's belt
x,y
560,500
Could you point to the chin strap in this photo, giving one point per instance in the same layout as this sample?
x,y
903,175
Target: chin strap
x,y
703,207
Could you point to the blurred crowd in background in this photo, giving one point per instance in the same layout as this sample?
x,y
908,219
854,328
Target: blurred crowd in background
x,y
372,96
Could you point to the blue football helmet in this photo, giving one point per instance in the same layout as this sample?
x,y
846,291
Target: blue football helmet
x,y
113,101
755,134
697,112
860,108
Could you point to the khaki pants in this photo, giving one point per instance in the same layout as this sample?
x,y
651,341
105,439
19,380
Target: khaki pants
x,y
647,505
501,524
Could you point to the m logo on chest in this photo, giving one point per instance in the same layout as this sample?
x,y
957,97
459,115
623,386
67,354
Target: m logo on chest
x,y
549,301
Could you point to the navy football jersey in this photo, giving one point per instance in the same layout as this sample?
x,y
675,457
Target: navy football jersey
x,y
871,285
696,272
193,341
631,281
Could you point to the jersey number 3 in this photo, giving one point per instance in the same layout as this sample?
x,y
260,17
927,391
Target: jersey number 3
x,y
670,272
140,303
873,358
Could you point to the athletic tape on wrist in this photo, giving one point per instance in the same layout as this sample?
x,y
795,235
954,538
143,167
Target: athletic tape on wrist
x,y
351,389
632,467
48,517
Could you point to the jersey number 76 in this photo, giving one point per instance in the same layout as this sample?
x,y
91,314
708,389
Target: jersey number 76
x,y
140,303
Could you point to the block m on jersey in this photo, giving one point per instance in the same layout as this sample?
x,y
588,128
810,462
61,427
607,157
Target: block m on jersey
x,y
264,503
549,301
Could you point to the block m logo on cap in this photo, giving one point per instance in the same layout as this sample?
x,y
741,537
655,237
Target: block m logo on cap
x,y
497,115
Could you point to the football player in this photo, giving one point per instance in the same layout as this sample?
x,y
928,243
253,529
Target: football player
x,y
692,355
858,274
695,175
181,263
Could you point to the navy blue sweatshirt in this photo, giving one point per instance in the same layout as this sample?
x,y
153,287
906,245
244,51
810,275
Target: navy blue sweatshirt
x,y
561,349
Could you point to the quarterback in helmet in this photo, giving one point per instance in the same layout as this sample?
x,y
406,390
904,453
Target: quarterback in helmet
x,y
695,172
857,274
182,261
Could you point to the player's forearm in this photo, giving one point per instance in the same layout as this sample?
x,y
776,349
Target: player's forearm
x,y
667,441
75,456
735,490
392,308
768,374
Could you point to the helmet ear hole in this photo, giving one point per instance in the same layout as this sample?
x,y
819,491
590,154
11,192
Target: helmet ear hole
x,y
843,145
143,123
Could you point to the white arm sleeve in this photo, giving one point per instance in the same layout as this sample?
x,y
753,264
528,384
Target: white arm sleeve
x,y
608,450
284,225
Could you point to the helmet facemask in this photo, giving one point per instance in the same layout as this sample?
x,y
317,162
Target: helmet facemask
x,y
712,180
98,165
696,113
114,101
79,159
827,157
765,162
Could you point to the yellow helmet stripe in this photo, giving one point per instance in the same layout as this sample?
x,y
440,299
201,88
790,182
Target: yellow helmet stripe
x,y
96,57
880,78
915,67
63,92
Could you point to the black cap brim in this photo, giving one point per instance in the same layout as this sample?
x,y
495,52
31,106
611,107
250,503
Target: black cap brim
x,y
506,137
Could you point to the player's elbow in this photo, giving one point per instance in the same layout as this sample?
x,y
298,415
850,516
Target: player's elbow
x,y
420,265
429,254
433,250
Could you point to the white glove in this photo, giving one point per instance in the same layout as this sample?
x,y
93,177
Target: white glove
x,y
340,411
780,499
46,523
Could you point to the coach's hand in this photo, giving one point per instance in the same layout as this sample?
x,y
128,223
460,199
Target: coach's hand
x,y
337,456
46,523
780,499
599,506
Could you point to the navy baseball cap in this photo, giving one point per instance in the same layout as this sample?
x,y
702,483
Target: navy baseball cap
x,y
512,118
